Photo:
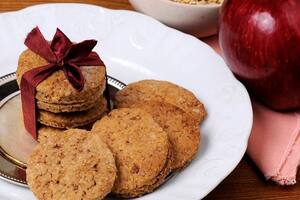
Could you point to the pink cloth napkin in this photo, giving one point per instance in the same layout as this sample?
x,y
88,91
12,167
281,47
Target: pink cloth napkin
x,y
274,144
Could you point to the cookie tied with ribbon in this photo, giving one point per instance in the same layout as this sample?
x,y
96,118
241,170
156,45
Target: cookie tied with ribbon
x,y
71,77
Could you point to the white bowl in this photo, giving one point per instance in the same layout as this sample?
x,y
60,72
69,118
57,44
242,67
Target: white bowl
x,y
198,20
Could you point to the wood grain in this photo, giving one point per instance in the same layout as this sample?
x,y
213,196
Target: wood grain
x,y
245,182
11,5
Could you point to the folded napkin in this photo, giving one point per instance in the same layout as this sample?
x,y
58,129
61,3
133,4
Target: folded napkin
x,y
274,143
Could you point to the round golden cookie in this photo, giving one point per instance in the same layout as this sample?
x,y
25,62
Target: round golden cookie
x,y
73,165
73,119
56,89
182,129
141,148
162,91
58,108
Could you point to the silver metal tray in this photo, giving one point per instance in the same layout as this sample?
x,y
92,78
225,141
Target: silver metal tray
x,y
16,145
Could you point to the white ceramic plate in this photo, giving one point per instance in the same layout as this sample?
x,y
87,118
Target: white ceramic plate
x,y
135,47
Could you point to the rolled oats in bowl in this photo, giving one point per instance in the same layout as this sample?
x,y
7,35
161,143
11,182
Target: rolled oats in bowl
x,y
196,17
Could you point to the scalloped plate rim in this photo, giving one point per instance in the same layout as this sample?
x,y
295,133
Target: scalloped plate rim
x,y
233,80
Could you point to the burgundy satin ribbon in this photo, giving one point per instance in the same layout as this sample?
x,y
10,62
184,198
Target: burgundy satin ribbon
x,y
61,54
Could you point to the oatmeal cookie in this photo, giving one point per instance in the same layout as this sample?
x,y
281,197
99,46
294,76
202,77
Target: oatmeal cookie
x,y
183,131
73,165
141,148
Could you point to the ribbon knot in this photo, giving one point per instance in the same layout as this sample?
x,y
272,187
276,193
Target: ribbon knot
x,y
61,54
61,63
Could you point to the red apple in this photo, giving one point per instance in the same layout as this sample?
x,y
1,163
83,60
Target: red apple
x,y
260,40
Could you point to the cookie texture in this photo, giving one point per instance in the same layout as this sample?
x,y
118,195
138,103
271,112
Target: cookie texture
x,y
182,129
73,119
73,165
56,89
75,107
46,132
141,148
163,91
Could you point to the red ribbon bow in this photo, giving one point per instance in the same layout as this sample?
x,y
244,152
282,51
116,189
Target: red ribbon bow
x,y
61,54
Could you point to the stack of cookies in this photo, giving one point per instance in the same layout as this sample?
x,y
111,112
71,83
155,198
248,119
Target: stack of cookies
x,y
153,131
59,104
173,108
129,152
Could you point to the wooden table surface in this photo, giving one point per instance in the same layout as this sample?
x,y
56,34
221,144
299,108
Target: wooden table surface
x,y
245,182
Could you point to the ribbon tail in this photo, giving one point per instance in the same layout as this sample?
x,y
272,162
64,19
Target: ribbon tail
x,y
92,59
29,107
60,44
80,50
74,75
36,42
28,85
